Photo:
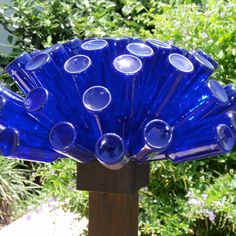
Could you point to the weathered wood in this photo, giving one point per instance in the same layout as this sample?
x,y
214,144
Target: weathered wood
x,y
113,197
113,214
97,178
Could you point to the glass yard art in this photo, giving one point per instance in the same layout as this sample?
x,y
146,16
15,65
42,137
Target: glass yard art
x,y
116,100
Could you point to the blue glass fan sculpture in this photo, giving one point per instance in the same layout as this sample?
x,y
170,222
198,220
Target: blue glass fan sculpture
x,y
116,100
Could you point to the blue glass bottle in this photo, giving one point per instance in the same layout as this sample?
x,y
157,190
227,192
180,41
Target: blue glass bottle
x,y
58,54
231,92
161,50
202,70
227,118
182,51
176,71
147,56
135,40
125,84
110,151
35,53
97,100
116,46
153,139
207,100
8,94
67,141
88,39
98,51
13,115
41,104
72,47
16,70
210,59
43,68
15,144
204,142
80,73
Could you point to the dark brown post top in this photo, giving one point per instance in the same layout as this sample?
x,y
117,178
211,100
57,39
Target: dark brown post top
x,y
97,178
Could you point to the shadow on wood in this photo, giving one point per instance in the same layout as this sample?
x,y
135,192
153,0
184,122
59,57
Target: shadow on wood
x,y
113,197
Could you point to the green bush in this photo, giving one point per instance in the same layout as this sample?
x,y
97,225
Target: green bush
x,y
196,198
211,28
58,182
15,189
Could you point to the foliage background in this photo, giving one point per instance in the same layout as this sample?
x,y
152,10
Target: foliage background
x,y
197,198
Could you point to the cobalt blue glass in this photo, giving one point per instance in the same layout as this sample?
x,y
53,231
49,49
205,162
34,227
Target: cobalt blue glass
x,y
147,56
135,40
80,73
162,50
116,100
67,141
202,70
231,92
97,100
125,85
8,94
207,100
35,53
88,39
227,118
16,70
176,71
72,47
110,151
116,46
210,59
182,51
98,51
58,54
13,115
203,142
153,139
41,104
43,68
15,144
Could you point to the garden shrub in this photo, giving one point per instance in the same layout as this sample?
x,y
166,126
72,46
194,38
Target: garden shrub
x,y
15,189
58,182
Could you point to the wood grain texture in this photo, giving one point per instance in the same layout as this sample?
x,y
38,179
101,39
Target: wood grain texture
x,y
113,214
97,178
113,197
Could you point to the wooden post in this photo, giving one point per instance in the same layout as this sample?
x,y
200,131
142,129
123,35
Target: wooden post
x,y
113,197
